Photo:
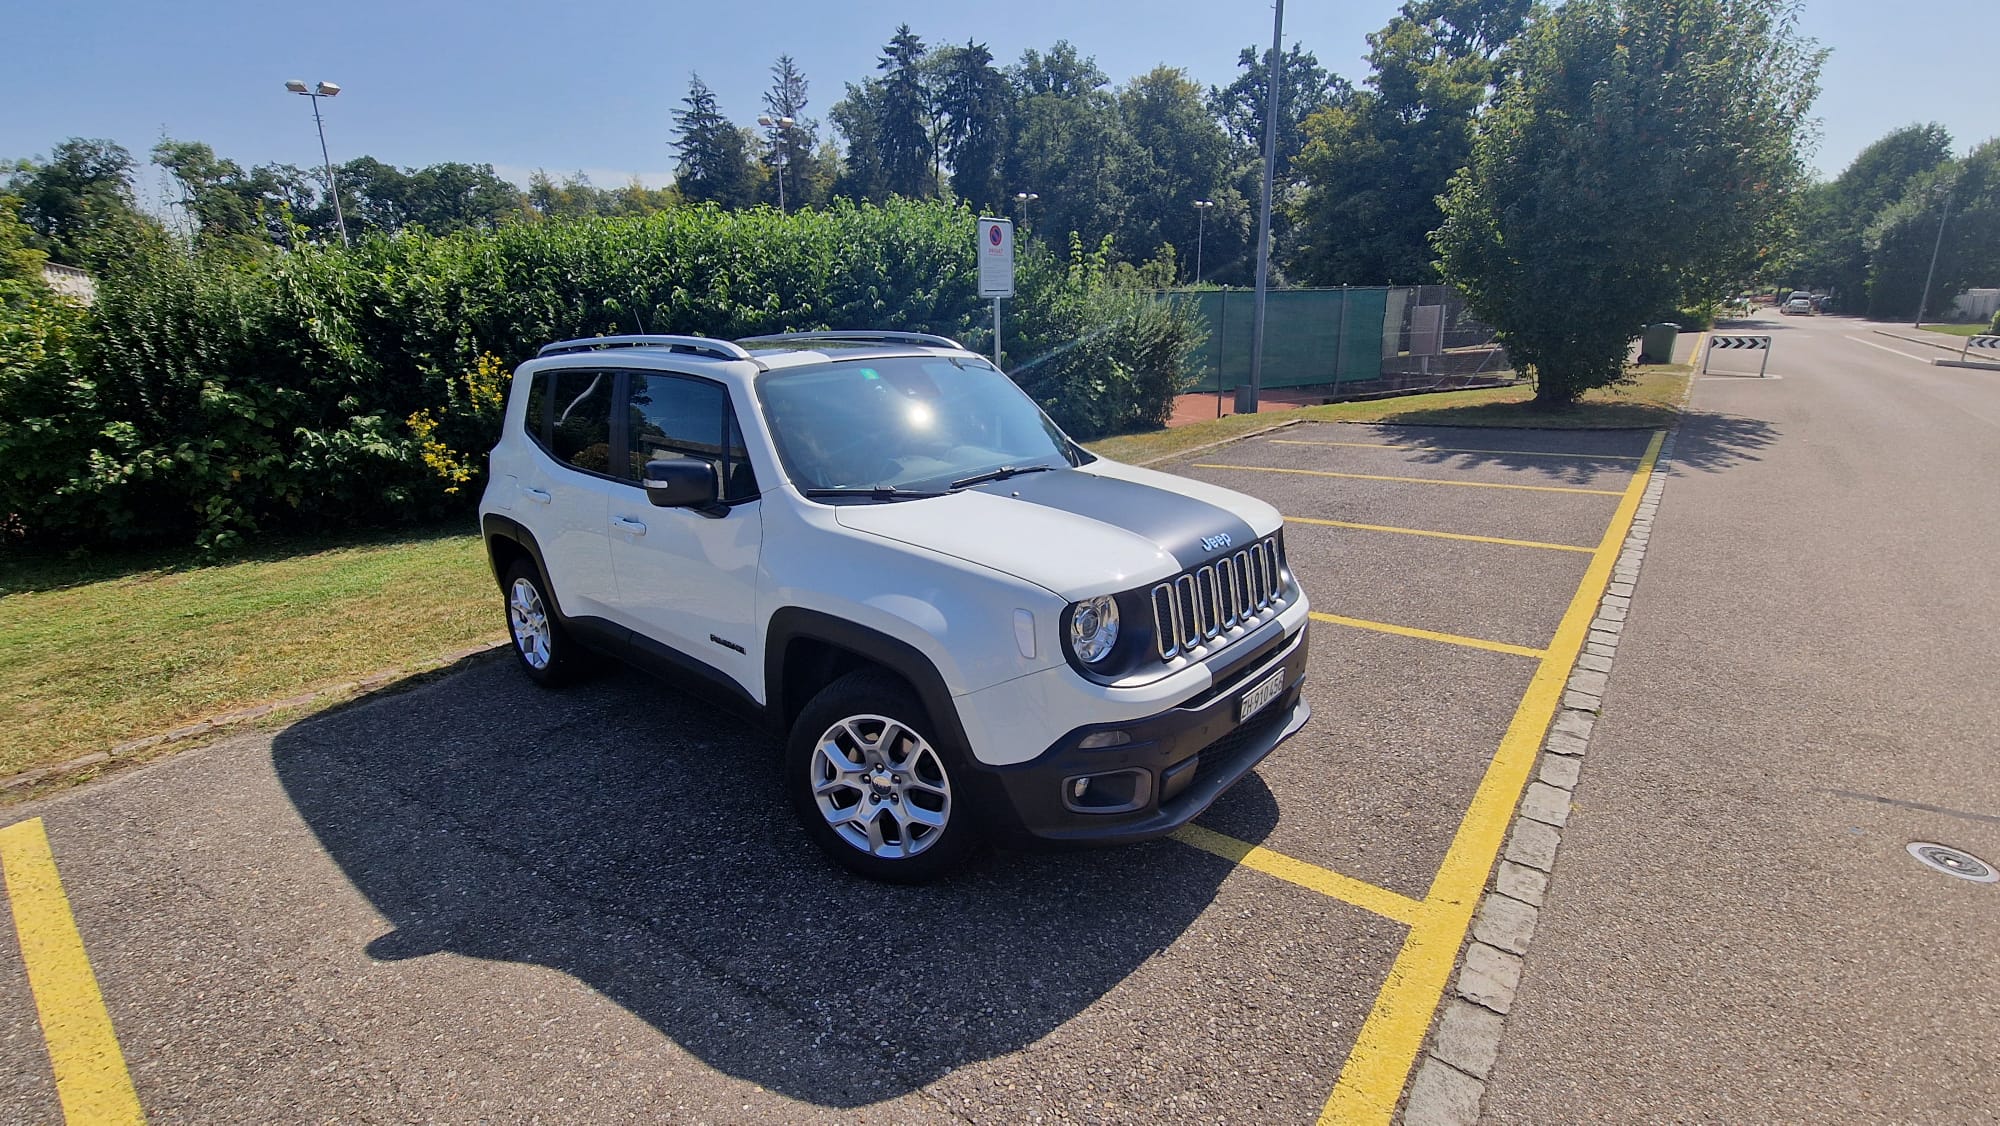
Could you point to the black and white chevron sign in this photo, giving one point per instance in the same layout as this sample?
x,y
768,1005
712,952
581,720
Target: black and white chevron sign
x,y
1727,342
1984,342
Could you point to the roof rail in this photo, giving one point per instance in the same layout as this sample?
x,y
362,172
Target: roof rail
x,y
699,345
863,337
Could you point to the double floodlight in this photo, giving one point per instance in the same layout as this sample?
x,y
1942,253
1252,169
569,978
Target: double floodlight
x,y
324,90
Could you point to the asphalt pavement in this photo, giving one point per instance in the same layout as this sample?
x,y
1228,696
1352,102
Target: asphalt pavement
x,y
1734,931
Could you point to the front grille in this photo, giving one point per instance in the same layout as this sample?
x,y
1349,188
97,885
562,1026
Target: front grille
x,y
1196,607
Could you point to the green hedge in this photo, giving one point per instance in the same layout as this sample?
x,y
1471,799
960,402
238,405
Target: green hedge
x,y
203,400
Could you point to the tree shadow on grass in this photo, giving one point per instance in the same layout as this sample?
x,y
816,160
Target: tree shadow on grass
x,y
637,839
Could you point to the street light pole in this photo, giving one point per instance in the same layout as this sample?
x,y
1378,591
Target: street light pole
x,y
779,126
1024,199
1935,247
324,90
1201,209
1247,396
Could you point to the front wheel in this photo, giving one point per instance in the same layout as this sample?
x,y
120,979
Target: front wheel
x,y
872,785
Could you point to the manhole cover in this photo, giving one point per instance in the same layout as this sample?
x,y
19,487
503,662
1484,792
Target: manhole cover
x,y
1952,862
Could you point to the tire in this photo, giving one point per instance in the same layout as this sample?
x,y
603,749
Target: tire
x,y
874,786
546,652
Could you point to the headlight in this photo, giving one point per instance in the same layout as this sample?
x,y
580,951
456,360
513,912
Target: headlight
x,y
1093,628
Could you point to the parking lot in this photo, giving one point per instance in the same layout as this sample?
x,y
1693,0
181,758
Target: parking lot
x,y
472,901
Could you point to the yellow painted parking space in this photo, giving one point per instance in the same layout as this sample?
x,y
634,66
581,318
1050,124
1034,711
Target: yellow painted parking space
x,y
1438,535
1457,450
91,1080
1414,480
1386,1048
1428,635
1347,889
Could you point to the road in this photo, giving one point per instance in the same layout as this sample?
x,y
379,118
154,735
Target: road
x,y
1734,930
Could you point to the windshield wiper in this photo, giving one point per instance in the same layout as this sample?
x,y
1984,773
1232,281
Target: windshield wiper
x,y
1000,474
877,492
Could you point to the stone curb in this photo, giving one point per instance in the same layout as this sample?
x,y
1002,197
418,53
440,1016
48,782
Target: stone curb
x,y
1449,1083
213,723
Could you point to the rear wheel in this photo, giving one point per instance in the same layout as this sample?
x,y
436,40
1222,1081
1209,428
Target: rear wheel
x,y
546,652
872,784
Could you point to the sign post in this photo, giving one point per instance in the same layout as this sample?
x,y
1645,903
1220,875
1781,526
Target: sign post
x,y
995,248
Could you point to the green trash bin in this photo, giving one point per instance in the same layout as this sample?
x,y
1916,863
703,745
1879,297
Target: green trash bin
x,y
1657,345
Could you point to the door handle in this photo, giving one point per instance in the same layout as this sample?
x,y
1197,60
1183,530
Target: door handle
x,y
627,524
539,496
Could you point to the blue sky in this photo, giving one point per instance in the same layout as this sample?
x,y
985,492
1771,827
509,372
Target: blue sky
x,y
588,85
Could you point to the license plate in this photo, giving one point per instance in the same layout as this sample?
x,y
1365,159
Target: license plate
x,y
1259,696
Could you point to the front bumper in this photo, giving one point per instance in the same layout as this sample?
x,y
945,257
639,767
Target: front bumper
x,y
1187,756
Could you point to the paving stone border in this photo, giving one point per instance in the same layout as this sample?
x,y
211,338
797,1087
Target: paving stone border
x,y
1450,1079
368,683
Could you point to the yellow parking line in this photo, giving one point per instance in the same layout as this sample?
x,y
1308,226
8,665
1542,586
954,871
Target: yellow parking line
x,y
91,1080
1347,889
1416,480
1440,535
1386,1047
1428,635
1452,450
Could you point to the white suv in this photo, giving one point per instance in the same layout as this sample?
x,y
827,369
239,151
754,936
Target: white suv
x,y
964,625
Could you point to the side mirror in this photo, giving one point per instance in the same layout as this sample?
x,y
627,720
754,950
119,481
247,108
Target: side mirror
x,y
681,482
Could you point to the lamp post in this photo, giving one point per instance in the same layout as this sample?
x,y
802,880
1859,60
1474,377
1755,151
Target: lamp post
x,y
1935,247
779,127
1024,199
324,90
1201,210
1247,395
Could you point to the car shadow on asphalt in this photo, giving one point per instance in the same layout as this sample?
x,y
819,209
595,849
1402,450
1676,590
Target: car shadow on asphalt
x,y
637,839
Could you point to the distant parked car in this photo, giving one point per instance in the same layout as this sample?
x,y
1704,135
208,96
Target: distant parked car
x,y
1797,304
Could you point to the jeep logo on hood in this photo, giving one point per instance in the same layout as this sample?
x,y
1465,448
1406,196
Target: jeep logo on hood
x,y
1210,543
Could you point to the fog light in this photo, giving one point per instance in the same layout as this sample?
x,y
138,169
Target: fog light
x,y
1105,739
1119,791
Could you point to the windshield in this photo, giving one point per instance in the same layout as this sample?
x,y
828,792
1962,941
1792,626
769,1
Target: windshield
x,y
910,424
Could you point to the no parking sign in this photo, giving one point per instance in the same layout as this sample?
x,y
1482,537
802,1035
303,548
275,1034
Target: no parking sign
x,y
996,257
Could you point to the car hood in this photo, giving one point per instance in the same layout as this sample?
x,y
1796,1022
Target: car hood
x,y
1093,530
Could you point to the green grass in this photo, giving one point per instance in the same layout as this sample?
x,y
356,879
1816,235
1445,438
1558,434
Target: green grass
x,y
1651,401
96,658
1960,330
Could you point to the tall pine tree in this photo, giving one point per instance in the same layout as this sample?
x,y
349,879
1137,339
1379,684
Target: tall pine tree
x,y
714,156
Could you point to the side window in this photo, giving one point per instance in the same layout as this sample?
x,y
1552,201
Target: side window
x,y
674,416
535,421
580,419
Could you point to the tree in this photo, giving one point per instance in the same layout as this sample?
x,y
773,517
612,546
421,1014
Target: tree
x,y
1639,156
226,208
440,198
1070,146
1306,89
1373,166
1836,217
903,128
790,151
1179,154
79,204
974,107
715,163
858,118
1901,241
